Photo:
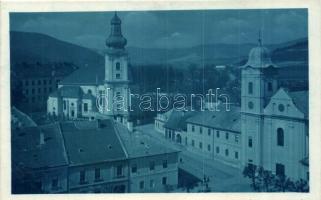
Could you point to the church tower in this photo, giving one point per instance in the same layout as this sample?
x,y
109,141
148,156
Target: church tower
x,y
258,84
116,72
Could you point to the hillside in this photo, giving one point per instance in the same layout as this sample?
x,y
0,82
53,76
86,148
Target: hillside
x,y
36,47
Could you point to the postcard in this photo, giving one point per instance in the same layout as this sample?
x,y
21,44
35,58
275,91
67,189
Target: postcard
x,y
173,99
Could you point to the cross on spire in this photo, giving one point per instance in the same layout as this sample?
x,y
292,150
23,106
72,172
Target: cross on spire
x,y
260,39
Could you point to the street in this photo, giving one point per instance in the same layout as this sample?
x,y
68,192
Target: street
x,y
222,177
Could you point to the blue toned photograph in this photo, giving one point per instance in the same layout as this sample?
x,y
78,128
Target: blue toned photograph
x,y
176,101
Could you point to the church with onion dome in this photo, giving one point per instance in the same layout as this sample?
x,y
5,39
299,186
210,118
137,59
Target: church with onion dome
x,y
268,129
97,91
274,120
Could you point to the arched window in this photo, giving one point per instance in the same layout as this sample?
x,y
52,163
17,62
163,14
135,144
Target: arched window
x,y
250,88
117,66
280,137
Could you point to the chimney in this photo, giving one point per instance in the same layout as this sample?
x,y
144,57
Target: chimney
x,y
130,126
41,138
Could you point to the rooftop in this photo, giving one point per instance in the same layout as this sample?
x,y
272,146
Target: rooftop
x,y
224,120
27,150
139,145
88,143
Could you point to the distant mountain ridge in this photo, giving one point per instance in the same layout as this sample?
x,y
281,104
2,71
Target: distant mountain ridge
x,y
37,47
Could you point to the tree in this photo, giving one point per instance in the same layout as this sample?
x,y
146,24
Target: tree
x,y
282,183
301,186
250,172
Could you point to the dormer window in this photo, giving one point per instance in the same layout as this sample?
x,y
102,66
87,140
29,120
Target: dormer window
x,y
117,66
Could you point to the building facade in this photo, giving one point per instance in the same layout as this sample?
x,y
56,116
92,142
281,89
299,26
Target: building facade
x,y
270,129
99,156
93,91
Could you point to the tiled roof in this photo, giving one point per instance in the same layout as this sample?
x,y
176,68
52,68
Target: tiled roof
x,y
28,152
139,145
301,101
177,119
225,120
70,91
87,145
88,75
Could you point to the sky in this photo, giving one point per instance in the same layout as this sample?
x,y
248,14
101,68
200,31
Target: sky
x,y
169,29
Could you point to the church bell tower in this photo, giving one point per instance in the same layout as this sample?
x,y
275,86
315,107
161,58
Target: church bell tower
x,y
258,84
116,72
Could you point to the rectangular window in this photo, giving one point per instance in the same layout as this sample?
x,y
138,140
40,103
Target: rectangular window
x,y
45,82
226,152
134,168
97,174
250,88
217,149
279,169
164,181
82,176
164,163
209,147
226,135
236,138
200,145
217,134
54,183
193,143
193,128
151,165
39,82
201,130
141,185
270,87
85,107
117,76
236,155
65,105
209,132
119,170
250,143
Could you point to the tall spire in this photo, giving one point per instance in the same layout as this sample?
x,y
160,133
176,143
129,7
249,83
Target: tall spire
x,y
260,39
116,39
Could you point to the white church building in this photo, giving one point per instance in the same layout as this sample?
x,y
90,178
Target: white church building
x,y
271,126
274,121
77,94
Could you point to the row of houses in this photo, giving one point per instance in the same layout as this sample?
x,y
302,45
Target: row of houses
x,y
215,135
90,157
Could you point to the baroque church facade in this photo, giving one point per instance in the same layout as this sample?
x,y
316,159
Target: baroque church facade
x,y
97,91
269,129
274,120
